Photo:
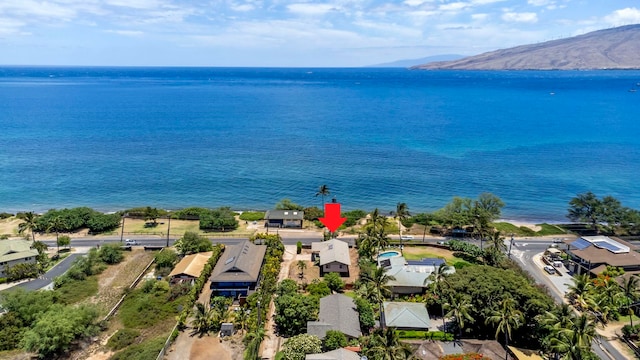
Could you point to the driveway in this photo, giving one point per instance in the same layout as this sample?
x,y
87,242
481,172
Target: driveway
x,y
46,280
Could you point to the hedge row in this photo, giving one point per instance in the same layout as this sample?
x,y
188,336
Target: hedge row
x,y
195,291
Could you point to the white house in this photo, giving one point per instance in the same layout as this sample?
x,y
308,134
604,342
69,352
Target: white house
x,y
334,256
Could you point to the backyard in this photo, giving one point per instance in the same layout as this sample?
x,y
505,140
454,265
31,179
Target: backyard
x,y
419,252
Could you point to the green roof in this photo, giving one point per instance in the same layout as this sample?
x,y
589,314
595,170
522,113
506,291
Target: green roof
x,y
11,250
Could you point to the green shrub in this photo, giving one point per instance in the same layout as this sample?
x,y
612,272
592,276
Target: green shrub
x,y
147,350
5,215
111,253
298,247
3,280
252,215
71,292
4,237
122,338
334,281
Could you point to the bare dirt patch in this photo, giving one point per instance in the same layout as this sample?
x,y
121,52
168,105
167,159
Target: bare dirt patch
x,y
10,226
113,281
312,271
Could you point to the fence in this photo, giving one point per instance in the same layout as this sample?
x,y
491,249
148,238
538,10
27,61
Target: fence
x,y
133,284
167,343
631,345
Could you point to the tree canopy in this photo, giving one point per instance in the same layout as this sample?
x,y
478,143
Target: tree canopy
x,y
191,243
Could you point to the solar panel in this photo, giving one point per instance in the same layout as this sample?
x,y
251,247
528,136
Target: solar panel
x,y
607,245
581,244
229,260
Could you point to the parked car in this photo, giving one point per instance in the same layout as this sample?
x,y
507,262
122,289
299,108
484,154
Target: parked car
x,y
557,240
130,242
406,237
549,269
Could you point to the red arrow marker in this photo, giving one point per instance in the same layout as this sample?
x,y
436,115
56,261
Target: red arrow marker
x,y
332,219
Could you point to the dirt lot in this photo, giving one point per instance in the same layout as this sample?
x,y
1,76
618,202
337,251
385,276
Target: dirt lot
x,y
313,271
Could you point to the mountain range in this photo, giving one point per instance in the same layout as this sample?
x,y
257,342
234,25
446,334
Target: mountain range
x,y
615,48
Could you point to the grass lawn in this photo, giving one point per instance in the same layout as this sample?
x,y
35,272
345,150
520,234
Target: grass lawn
x,y
75,291
178,228
419,252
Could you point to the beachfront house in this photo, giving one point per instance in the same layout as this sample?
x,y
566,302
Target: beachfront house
x,y
238,270
334,256
189,268
410,277
284,218
594,253
337,312
406,315
14,252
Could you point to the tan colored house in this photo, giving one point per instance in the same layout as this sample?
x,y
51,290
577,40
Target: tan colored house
x,y
14,252
334,256
189,268
594,253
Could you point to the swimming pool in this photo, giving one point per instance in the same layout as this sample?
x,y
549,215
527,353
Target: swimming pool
x,y
388,254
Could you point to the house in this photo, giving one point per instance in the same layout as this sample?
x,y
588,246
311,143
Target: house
x,y
409,278
189,268
334,256
238,270
337,312
594,253
434,350
338,354
284,218
406,315
523,354
14,252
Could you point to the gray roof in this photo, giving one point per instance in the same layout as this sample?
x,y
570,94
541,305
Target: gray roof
x,y
406,315
240,263
284,215
337,312
332,250
16,249
338,354
407,275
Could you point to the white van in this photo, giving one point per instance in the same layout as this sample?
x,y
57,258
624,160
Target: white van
x,y
549,269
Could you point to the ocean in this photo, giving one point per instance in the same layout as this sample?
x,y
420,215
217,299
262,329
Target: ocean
x,y
114,138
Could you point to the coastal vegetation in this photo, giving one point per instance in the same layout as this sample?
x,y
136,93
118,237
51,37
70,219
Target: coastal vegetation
x,y
604,214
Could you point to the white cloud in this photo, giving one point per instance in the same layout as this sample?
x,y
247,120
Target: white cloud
x,y
414,2
10,26
311,9
135,4
525,17
456,6
479,17
540,2
30,8
133,33
242,7
624,16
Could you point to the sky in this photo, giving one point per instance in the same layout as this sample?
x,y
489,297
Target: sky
x,y
286,33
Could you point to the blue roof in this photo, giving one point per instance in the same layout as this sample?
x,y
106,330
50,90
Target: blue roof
x,y
581,244
427,261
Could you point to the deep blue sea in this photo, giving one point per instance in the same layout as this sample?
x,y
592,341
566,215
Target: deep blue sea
x,y
113,138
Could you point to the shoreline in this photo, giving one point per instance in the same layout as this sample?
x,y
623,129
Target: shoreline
x,y
510,218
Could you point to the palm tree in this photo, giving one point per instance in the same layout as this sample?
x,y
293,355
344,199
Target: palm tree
x,y
575,341
458,306
301,266
55,224
438,278
384,344
378,279
578,292
631,293
506,319
323,191
253,341
402,213
29,223
241,317
202,318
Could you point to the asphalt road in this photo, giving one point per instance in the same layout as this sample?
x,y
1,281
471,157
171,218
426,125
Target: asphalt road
x,y
523,251
47,278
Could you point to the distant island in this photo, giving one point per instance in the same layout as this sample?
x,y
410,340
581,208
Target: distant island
x,y
416,62
611,49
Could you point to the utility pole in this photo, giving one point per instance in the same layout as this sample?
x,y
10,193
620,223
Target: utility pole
x,y
122,231
510,244
168,229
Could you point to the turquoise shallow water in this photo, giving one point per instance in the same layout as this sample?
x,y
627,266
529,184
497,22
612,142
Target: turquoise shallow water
x,y
112,138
